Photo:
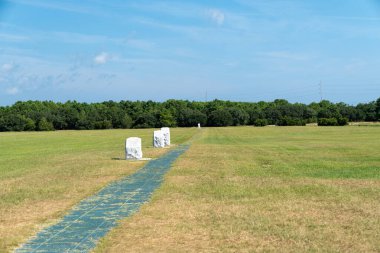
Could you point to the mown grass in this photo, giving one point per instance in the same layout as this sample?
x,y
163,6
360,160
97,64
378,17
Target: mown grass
x,y
283,189
42,175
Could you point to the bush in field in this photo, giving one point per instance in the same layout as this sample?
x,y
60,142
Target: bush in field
x,y
287,121
260,122
327,122
342,121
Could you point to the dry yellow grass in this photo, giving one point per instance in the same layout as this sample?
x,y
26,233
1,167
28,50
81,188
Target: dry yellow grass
x,y
42,175
270,189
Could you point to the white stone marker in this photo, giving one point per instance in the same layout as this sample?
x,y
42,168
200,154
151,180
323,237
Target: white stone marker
x,y
199,125
158,139
133,149
166,132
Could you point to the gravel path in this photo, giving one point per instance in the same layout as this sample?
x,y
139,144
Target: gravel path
x,y
92,218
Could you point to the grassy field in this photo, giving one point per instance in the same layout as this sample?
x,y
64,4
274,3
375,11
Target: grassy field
x,y
42,175
237,189
280,189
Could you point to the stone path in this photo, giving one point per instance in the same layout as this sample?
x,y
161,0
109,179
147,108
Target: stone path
x,y
91,219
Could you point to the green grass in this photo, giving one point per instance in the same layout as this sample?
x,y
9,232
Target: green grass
x,y
243,189
282,189
43,174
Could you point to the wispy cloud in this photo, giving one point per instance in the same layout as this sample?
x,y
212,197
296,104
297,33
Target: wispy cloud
x,y
189,30
177,9
140,44
61,5
82,38
6,67
102,58
12,37
216,16
12,91
286,55
356,18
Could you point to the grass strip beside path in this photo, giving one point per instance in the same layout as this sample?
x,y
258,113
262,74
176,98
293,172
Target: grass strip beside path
x,y
279,189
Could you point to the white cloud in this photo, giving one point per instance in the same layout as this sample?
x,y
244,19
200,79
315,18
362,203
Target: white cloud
x,y
217,16
78,38
102,58
12,90
141,44
7,67
55,5
12,37
286,55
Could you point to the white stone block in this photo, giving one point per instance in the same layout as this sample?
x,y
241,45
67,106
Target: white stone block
x,y
133,149
166,132
158,139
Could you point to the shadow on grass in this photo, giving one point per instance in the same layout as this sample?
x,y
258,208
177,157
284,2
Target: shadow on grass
x,y
117,158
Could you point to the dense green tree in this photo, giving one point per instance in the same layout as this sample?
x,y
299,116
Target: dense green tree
x,y
190,118
239,116
213,106
118,117
15,122
255,113
273,114
47,115
220,118
30,125
126,122
83,122
103,124
166,119
368,111
260,122
45,125
146,120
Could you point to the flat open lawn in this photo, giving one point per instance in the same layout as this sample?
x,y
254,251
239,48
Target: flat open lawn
x,y
42,175
277,189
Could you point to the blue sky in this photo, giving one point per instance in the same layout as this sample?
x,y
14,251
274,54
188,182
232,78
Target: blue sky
x,y
240,50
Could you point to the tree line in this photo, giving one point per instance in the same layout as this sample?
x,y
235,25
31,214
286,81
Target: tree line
x,y
48,115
